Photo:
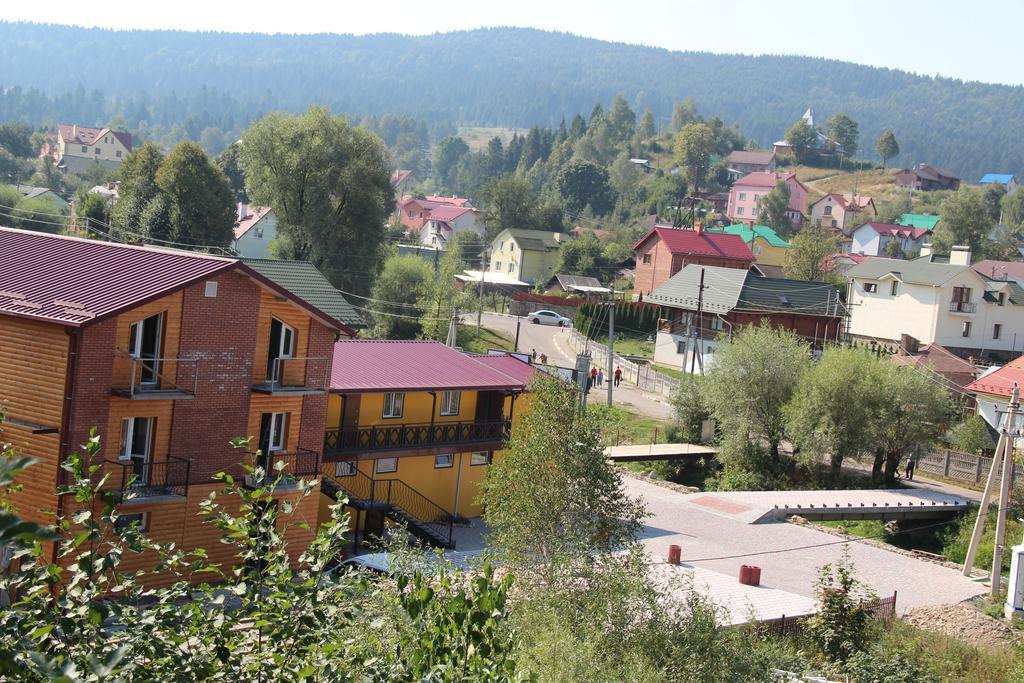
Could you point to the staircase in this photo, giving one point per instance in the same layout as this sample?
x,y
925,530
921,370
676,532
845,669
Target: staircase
x,y
425,519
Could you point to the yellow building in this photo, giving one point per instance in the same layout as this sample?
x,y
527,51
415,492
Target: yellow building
x,y
411,429
529,255
769,249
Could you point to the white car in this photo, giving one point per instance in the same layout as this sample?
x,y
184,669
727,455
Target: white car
x,y
548,318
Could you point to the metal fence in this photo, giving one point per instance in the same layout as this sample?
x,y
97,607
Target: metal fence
x,y
960,466
883,609
640,374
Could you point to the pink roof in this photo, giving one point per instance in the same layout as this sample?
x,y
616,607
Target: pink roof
x,y
700,243
509,365
375,365
764,179
1002,381
84,135
243,226
898,230
76,282
999,270
450,201
448,213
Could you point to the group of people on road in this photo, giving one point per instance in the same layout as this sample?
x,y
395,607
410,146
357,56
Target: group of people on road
x,y
597,377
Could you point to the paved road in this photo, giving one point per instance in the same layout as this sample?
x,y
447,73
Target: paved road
x,y
554,342
792,553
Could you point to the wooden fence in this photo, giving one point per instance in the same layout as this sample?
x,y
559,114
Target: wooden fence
x,y
960,466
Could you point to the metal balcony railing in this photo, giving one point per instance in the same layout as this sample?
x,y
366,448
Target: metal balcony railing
x,y
302,462
150,479
151,378
299,375
412,436
962,307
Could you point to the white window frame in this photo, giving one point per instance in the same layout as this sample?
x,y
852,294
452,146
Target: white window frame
x,y
743,196
345,468
390,467
128,429
394,405
451,403
871,287
135,340
123,521
739,211
444,461
286,345
894,289
511,266
965,329
278,432
497,266
475,459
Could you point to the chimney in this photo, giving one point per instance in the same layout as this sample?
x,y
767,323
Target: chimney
x,y
908,345
74,131
960,256
243,210
926,249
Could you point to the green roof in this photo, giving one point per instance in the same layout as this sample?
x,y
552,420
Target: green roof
x,y
919,220
302,279
920,271
747,234
531,240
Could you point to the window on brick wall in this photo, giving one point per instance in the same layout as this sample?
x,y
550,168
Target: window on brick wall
x,y
647,258
282,347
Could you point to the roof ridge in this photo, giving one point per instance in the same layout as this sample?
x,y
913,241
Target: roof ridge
x,y
119,245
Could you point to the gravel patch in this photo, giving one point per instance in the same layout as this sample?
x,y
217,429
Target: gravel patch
x,y
963,622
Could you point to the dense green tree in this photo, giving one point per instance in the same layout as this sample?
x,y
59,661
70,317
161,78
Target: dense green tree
x,y
772,210
16,138
584,256
138,172
449,153
621,120
647,129
574,505
1013,209
887,147
992,195
972,435
834,406
965,221
912,415
92,207
801,137
683,114
845,132
808,252
396,300
508,202
330,187
202,208
441,299
693,148
578,127
625,177
228,162
157,219
689,408
584,183
767,366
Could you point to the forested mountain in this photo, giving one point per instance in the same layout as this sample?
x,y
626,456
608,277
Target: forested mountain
x,y
196,83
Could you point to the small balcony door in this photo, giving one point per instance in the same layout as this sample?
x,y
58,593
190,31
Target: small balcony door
x,y
136,446
144,346
282,346
272,438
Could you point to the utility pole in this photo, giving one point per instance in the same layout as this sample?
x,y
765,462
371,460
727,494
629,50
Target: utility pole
x,y
519,321
1004,496
700,324
483,280
1004,453
611,348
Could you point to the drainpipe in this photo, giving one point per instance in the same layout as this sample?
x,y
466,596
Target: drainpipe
x,y
433,412
74,339
458,486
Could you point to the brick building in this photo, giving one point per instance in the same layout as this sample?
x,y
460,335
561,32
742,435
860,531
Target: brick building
x,y
665,250
170,356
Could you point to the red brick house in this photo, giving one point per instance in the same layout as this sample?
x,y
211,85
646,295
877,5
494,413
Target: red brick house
x,y
926,177
169,355
665,250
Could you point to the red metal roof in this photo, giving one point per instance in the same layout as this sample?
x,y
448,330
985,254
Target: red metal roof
x,y
509,365
700,242
74,281
1000,270
376,365
767,179
1002,381
448,213
448,201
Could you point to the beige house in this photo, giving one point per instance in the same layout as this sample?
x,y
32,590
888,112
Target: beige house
x,y
840,210
75,147
937,301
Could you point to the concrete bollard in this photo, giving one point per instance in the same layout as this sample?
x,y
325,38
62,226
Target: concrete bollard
x,y
674,552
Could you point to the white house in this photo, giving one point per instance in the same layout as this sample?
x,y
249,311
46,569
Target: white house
x,y
936,300
446,221
75,148
255,229
872,238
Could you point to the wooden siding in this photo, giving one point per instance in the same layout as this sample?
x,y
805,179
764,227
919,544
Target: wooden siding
x,y
33,367
170,306
273,307
261,403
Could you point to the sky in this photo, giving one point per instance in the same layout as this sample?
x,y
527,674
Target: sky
x,y
950,38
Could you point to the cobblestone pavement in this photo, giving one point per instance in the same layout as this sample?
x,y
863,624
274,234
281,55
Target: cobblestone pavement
x,y
789,555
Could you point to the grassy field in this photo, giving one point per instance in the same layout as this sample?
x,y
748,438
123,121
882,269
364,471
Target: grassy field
x,y
878,184
623,426
470,340
477,137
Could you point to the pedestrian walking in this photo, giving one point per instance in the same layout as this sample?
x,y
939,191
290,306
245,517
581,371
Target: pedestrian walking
x,y
618,376
600,377
593,375
910,468
533,355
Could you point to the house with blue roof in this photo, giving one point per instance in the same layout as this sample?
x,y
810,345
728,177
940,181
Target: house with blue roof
x,y
1007,180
